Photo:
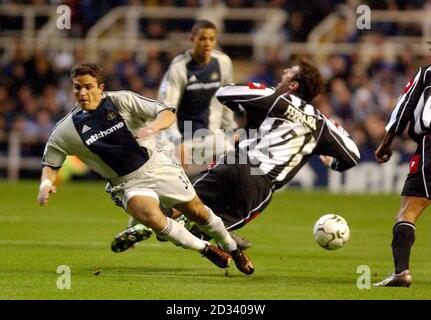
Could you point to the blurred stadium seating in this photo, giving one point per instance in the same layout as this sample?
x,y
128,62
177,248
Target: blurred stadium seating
x,y
365,70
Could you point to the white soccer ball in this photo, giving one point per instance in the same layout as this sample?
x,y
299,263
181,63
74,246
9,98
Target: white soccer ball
x,y
331,231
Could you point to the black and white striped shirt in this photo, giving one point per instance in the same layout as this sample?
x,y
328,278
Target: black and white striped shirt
x,y
413,106
288,132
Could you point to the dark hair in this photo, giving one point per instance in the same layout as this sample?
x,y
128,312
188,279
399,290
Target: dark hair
x,y
309,79
202,24
89,68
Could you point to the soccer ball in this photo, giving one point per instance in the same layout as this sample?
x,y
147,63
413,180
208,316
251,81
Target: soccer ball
x,y
331,231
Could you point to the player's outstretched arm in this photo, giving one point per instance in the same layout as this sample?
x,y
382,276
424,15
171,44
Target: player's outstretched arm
x,y
164,120
47,185
384,152
338,151
238,97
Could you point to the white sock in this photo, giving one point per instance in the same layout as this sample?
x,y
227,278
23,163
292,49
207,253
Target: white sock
x,y
180,236
133,222
215,228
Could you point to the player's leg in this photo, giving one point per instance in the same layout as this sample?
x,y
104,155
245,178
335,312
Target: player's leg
x,y
215,188
404,230
175,190
207,221
213,225
146,210
415,199
135,231
403,240
241,242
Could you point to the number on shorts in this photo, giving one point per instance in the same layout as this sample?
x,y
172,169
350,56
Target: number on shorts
x,y
184,180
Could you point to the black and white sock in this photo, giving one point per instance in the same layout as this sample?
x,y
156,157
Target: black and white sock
x,y
402,242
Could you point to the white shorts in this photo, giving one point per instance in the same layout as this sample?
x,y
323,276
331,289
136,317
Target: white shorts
x,y
161,178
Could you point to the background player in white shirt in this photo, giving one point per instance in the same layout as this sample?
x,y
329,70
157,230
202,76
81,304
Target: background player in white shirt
x,y
189,85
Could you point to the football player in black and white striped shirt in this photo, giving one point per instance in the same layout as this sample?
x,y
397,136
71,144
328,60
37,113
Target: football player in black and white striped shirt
x,y
288,130
413,108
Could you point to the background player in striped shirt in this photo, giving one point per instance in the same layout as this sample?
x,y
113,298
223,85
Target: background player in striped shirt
x,y
105,130
413,108
288,131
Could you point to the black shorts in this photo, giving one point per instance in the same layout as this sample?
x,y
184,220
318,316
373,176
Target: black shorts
x,y
233,194
418,182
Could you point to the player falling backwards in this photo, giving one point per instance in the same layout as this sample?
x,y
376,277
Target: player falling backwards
x,y
290,130
107,131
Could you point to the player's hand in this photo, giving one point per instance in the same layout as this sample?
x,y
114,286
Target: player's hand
x,y
43,196
326,160
146,132
383,153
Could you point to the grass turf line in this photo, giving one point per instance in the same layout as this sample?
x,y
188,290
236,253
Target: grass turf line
x,y
76,229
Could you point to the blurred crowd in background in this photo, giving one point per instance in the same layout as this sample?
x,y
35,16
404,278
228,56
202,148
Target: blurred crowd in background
x,y
304,15
35,89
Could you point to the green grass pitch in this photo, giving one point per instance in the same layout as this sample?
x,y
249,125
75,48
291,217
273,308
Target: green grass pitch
x,y
76,229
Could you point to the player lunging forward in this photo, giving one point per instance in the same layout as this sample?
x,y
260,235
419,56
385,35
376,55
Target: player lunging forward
x,y
105,131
